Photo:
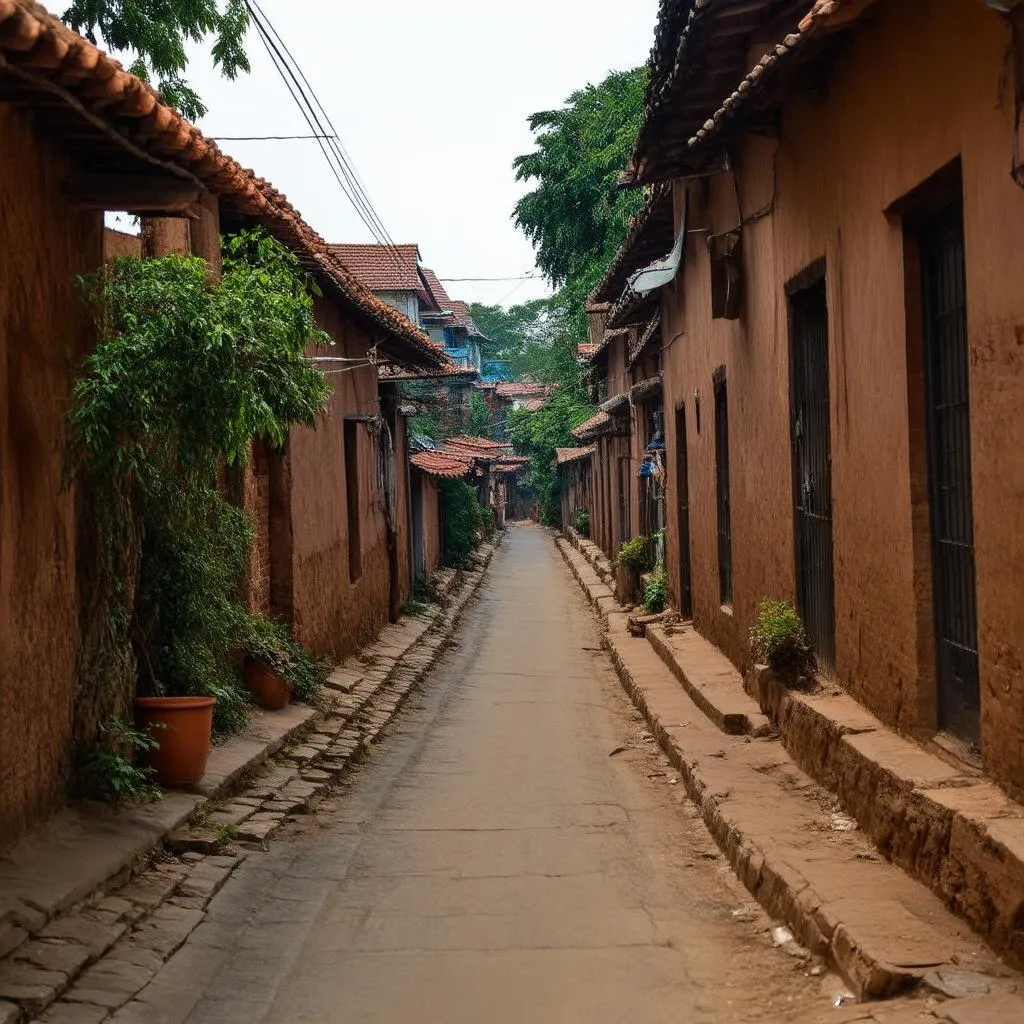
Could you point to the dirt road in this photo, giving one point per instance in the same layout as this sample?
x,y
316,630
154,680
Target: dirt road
x,y
515,850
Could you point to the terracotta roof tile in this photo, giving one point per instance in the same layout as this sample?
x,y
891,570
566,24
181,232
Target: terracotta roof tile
x,y
441,297
120,106
440,464
523,389
380,267
566,455
592,427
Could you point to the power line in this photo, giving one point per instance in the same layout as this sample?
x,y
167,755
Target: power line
x,y
266,138
521,277
315,115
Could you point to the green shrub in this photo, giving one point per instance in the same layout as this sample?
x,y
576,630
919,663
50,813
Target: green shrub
x,y
581,522
273,644
779,641
185,376
463,517
634,555
656,592
109,769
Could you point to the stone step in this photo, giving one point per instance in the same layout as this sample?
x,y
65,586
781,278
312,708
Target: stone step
x,y
787,838
711,680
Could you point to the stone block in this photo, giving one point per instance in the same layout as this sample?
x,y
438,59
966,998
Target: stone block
x,y
32,988
73,1013
9,1013
166,928
66,957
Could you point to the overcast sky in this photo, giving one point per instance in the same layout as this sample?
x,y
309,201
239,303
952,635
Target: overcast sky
x,y
430,100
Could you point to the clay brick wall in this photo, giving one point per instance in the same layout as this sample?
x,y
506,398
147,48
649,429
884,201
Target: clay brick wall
x,y
44,333
938,85
433,542
333,614
120,243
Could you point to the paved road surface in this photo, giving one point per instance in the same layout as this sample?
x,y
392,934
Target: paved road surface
x,y
492,863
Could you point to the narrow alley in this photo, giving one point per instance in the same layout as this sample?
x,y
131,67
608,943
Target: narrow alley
x,y
492,861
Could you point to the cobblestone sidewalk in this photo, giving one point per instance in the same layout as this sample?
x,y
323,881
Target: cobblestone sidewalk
x,y
86,963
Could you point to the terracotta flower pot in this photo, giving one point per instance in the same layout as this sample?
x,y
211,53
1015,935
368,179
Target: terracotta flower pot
x,y
268,688
184,726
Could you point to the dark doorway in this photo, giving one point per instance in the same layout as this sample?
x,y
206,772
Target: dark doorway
x,y
812,469
625,528
683,496
947,407
723,508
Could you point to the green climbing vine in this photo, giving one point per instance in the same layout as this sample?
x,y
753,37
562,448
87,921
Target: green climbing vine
x,y
185,376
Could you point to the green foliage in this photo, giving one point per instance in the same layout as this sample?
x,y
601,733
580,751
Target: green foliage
x,y
425,591
450,420
576,216
109,768
537,435
272,644
510,329
634,554
156,33
464,517
778,640
656,592
414,608
581,522
186,375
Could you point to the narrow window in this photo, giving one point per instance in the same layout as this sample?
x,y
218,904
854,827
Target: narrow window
x,y
722,487
355,547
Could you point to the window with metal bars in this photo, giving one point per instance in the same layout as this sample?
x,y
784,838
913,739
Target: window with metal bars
x,y
722,487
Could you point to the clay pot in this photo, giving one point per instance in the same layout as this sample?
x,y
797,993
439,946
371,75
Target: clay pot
x,y
267,686
184,726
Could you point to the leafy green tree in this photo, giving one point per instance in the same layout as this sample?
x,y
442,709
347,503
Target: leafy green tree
x,y
576,216
156,32
510,328
538,434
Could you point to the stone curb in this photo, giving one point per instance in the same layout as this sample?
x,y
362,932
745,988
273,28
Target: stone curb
x,y
947,827
96,951
763,868
959,834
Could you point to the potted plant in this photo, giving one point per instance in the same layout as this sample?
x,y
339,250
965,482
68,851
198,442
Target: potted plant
x,y
186,375
181,729
270,663
630,563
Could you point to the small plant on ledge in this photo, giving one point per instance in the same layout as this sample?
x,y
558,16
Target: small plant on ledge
x,y
656,592
582,522
634,554
778,640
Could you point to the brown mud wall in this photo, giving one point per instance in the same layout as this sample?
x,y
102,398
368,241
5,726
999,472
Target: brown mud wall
x,y
910,92
44,332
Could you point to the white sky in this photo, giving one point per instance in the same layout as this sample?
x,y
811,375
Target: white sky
x,y
430,100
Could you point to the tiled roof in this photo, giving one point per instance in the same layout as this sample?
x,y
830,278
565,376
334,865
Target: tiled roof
x,y
616,405
389,373
478,448
441,297
606,340
511,464
523,389
645,389
482,443
566,455
759,74
700,54
585,350
594,426
114,109
440,464
380,267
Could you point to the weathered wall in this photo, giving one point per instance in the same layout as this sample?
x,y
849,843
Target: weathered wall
x,y
432,538
44,332
332,614
120,243
917,85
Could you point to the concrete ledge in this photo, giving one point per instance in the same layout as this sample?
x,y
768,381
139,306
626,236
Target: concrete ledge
x,y
952,830
709,678
805,862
